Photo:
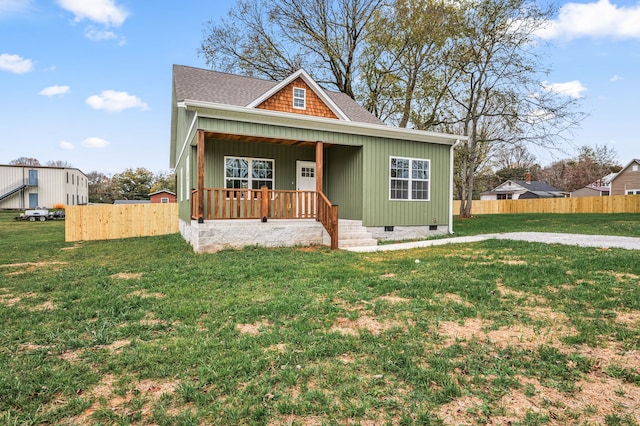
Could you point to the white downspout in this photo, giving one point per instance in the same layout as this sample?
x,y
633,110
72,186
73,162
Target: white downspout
x,y
453,147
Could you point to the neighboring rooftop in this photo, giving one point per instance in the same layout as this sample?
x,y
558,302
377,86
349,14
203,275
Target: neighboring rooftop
x,y
536,185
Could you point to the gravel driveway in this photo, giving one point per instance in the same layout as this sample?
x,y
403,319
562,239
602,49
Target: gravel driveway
x,y
608,241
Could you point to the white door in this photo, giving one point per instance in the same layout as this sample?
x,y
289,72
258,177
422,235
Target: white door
x,y
305,181
306,175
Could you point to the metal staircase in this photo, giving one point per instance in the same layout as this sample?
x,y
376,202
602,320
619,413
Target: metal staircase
x,y
13,191
16,187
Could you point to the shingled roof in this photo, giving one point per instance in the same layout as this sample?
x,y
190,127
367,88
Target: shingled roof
x,y
536,185
196,84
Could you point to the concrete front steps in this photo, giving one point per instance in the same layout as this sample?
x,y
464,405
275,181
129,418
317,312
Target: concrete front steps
x,y
351,233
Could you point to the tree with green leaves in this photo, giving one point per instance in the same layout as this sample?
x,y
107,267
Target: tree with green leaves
x,y
164,180
132,184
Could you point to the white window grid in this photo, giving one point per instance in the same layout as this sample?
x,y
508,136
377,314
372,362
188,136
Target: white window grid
x,y
249,173
299,98
409,179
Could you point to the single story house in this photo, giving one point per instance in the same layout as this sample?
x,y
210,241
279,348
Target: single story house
x,y
522,189
627,180
591,191
28,187
162,196
282,163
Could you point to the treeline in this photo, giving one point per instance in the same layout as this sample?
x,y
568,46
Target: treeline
x,y
131,184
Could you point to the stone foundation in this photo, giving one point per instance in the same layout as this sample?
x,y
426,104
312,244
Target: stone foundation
x,y
216,235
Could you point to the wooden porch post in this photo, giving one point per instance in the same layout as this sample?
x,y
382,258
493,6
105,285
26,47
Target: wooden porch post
x,y
200,183
319,165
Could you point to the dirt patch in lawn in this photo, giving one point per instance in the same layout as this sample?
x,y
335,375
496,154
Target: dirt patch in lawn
x,y
628,318
450,297
392,299
517,335
144,294
460,411
31,266
612,355
623,277
127,275
75,356
350,327
595,398
105,396
253,329
508,292
9,299
45,306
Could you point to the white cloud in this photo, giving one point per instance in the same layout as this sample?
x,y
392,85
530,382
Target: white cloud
x,y
615,78
95,143
54,90
15,64
94,34
105,12
572,89
67,146
112,101
597,19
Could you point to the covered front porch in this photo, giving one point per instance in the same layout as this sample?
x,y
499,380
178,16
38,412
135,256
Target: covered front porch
x,y
264,204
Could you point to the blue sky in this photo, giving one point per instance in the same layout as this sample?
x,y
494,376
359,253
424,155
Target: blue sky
x,y
89,81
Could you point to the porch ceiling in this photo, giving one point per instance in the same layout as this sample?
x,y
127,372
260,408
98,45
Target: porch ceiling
x,y
260,139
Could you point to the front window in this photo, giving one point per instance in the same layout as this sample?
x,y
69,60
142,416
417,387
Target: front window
x,y
409,179
248,173
632,192
504,196
299,98
164,200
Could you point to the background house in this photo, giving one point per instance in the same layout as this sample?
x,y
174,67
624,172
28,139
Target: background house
x,y
591,191
627,180
163,196
516,189
316,153
27,187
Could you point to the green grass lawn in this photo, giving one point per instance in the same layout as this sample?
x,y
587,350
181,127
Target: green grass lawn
x,y
144,331
624,224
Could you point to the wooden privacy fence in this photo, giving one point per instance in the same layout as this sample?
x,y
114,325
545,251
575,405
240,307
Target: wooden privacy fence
x,y
610,204
114,221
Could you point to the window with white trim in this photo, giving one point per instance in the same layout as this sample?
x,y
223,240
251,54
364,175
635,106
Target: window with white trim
x,y
632,192
248,173
299,98
164,200
409,179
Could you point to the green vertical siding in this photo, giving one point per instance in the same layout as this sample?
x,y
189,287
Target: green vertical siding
x,y
285,157
379,210
356,174
343,180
